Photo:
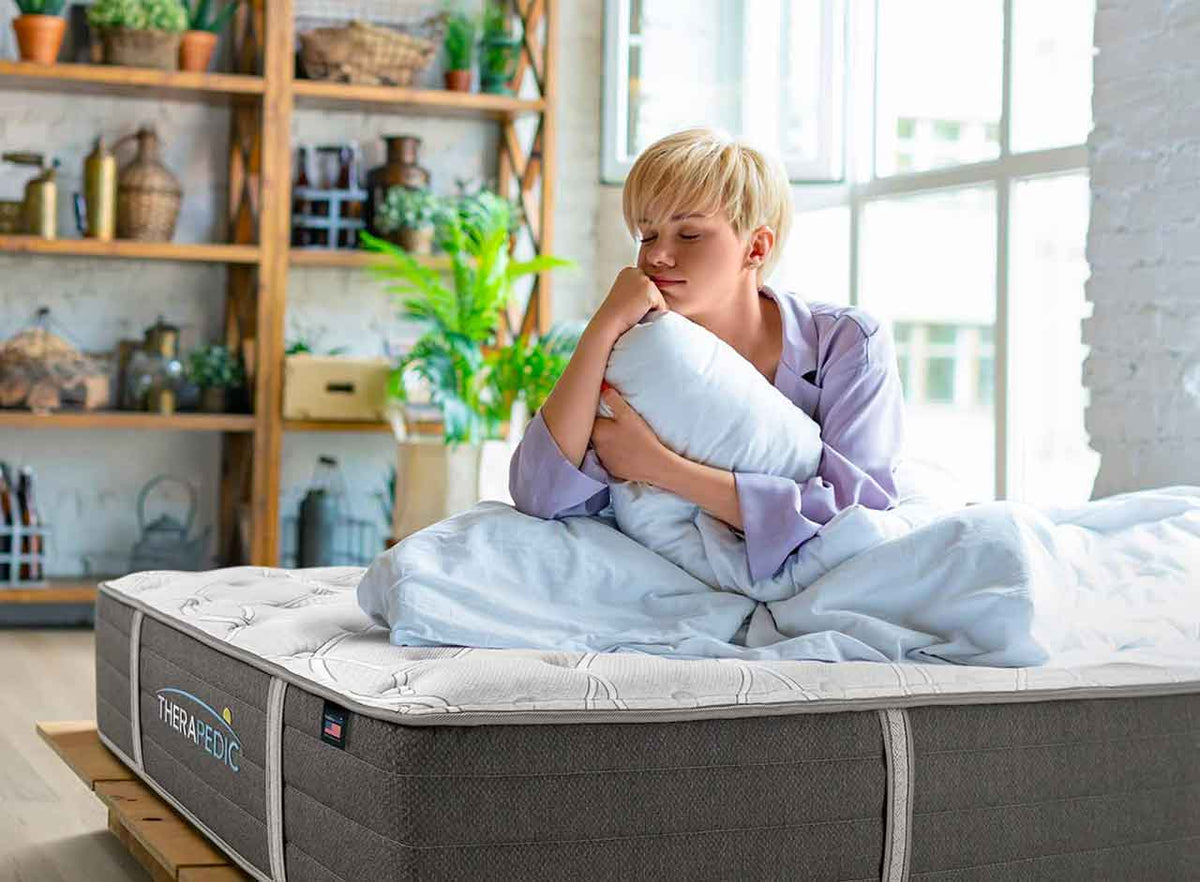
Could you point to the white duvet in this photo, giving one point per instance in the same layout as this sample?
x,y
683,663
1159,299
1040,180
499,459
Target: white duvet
x,y
1000,584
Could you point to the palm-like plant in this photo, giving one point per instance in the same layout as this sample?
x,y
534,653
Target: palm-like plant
x,y
461,319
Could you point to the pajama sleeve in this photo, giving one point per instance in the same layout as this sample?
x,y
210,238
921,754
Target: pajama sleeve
x,y
544,483
861,414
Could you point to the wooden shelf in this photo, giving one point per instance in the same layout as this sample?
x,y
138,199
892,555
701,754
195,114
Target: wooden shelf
x,y
336,426
58,591
353,258
442,102
117,419
114,80
130,249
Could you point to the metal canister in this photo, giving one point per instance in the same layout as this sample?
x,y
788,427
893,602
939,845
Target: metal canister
x,y
100,192
41,195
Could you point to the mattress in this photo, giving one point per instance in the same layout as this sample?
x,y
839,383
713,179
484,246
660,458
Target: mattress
x,y
268,709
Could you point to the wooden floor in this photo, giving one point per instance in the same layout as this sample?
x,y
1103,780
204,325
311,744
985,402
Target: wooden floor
x,y
52,827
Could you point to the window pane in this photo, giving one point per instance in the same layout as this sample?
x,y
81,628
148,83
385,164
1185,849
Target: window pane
x,y
928,265
1049,458
816,256
688,64
1052,73
939,72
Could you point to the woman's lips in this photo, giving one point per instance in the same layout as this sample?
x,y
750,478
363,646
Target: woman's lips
x,y
666,283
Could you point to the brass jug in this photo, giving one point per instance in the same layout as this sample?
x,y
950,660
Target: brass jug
x,y
41,194
99,195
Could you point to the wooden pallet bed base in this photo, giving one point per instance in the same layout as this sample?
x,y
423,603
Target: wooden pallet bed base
x,y
167,845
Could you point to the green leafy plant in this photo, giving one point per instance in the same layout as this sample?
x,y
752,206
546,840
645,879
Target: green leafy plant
x,y
40,7
215,367
457,355
498,48
460,39
527,368
406,208
139,15
201,17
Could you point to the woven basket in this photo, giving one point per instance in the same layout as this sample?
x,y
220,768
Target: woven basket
x,y
130,48
148,195
370,54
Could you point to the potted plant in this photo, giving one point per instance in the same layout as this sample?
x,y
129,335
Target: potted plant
x,y
216,371
39,29
140,33
200,39
459,44
407,217
472,381
499,49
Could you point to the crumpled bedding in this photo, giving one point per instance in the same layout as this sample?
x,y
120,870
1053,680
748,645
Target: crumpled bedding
x,y
999,584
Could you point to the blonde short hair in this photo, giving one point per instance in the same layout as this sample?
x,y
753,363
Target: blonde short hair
x,y
707,170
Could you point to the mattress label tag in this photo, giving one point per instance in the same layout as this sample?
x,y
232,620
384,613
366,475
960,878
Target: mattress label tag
x,y
333,725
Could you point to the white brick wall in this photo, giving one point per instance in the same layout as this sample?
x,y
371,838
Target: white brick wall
x,y
1143,371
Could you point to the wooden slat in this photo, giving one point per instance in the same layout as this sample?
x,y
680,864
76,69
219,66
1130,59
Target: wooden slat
x,y
129,249
117,419
548,162
345,96
73,78
77,745
52,593
335,426
170,840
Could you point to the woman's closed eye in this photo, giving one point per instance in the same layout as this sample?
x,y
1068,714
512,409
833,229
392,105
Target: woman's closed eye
x,y
686,238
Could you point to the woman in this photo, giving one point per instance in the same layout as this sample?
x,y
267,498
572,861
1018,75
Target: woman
x,y
712,216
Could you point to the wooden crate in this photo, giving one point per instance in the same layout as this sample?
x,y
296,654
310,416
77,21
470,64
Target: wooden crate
x,y
332,388
167,845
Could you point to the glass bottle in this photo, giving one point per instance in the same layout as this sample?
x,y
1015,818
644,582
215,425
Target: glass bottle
x,y
301,235
8,511
320,514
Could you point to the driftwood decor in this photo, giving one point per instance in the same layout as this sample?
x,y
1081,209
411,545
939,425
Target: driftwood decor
x,y
41,371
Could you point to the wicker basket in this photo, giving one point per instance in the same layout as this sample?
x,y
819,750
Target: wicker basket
x,y
365,53
130,48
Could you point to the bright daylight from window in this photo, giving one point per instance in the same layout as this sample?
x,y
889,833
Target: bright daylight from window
x,y
942,195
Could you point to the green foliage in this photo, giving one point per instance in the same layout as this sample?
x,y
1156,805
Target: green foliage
x,y
497,19
139,15
405,208
460,39
528,369
40,7
474,391
201,17
215,367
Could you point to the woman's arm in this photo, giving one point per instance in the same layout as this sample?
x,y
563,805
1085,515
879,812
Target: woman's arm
x,y
570,409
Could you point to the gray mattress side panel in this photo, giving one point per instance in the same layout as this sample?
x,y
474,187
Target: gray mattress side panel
x,y
335,848
177,670
1064,790
112,671
453,801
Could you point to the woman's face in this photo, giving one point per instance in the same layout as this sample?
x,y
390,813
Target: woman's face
x,y
696,260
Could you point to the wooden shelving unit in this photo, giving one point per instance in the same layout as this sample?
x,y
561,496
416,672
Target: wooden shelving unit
x,y
263,97
58,591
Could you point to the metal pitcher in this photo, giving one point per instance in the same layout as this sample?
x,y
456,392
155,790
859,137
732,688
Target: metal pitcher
x,y
165,543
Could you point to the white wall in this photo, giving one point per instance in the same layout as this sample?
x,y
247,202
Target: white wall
x,y
1143,372
89,480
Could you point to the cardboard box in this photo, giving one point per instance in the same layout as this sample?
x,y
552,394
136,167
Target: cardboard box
x,y
330,388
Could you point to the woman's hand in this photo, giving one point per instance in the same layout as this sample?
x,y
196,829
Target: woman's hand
x,y
631,296
626,445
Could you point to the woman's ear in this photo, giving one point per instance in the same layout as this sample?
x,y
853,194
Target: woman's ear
x,y
762,240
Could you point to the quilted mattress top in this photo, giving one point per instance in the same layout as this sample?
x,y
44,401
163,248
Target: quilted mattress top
x,y
306,627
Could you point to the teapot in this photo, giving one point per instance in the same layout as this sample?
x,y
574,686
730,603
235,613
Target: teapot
x,y
165,543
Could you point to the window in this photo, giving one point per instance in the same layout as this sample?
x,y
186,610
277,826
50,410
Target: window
x,y
960,216
769,70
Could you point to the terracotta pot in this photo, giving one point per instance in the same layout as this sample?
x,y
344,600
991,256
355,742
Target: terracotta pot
x,y
39,37
196,50
417,241
458,80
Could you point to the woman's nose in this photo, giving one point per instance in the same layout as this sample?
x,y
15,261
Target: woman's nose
x,y
658,255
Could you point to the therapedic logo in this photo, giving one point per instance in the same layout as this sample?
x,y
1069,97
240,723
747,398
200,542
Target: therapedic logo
x,y
203,726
